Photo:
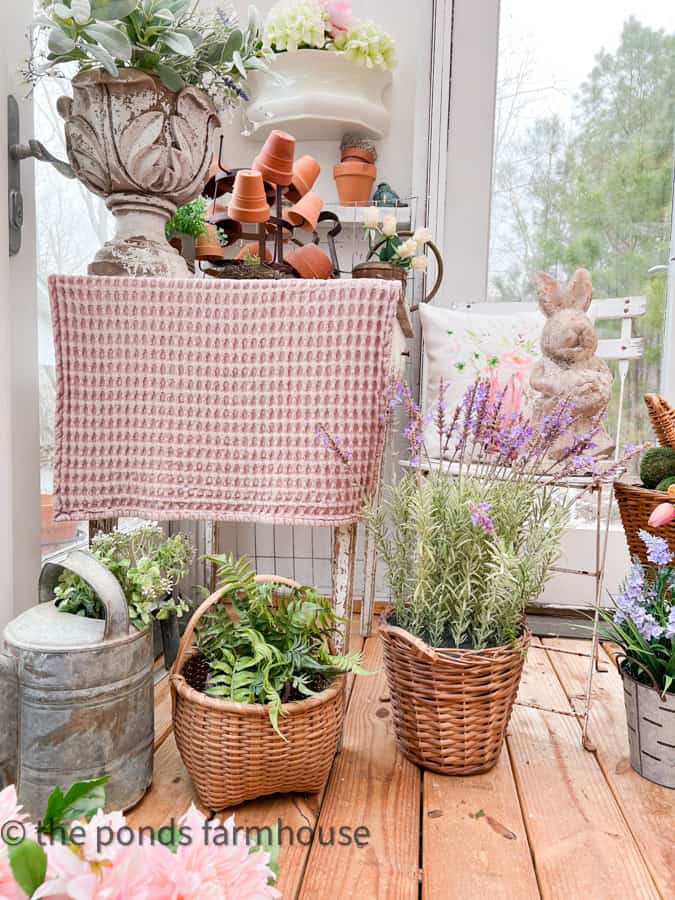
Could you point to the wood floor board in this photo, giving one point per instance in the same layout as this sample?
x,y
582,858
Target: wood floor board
x,y
648,808
371,787
474,842
580,842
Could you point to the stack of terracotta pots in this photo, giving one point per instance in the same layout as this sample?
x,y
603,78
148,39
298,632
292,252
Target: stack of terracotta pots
x,y
248,203
355,174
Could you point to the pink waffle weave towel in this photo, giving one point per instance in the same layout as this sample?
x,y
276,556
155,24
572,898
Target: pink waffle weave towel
x,y
201,399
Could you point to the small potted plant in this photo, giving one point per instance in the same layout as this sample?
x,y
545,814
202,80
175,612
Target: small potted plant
x,y
150,76
148,565
185,227
333,70
643,625
258,702
466,547
395,254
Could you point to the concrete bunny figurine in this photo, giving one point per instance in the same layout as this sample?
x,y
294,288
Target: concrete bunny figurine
x,y
569,368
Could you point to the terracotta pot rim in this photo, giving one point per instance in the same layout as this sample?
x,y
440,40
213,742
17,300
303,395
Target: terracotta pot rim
x,y
354,167
353,154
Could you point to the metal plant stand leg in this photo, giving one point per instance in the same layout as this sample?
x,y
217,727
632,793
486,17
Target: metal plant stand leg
x,y
370,551
342,572
594,664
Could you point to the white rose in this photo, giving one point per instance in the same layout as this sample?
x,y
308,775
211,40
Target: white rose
x,y
389,226
422,236
419,262
371,217
407,249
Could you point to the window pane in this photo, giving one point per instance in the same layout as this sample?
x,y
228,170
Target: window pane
x,y
71,224
584,161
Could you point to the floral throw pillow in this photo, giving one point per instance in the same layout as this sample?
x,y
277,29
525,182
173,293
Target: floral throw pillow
x,y
461,345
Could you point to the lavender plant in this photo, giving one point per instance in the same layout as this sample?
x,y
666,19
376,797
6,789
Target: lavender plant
x,y
643,621
469,545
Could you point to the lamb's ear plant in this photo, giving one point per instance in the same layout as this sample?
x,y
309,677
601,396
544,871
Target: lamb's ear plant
x,y
147,563
166,37
277,650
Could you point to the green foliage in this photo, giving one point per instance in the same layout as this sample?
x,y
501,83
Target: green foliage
x,y
82,799
28,862
160,36
666,483
454,584
656,464
188,219
147,564
278,649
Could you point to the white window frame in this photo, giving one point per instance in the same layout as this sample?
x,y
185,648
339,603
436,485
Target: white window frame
x,y
20,446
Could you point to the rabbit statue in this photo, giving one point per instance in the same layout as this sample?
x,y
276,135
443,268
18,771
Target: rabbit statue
x,y
569,368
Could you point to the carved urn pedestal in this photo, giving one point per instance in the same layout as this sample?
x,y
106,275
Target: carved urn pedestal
x,y
146,150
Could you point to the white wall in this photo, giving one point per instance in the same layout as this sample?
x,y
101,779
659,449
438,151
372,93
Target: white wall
x,y
409,28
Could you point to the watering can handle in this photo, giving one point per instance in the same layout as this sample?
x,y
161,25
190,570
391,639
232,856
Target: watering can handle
x,y
98,577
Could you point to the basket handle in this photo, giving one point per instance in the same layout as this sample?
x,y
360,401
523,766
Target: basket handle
x,y
617,655
439,263
216,597
417,647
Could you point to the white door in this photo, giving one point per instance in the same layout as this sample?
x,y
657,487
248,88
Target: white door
x,y
19,441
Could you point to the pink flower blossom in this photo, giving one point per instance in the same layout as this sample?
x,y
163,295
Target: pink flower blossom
x,y
339,13
100,842
12,811
68,875
9,889
517,362
204,870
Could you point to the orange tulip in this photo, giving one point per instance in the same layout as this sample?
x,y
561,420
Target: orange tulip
x,y
664,513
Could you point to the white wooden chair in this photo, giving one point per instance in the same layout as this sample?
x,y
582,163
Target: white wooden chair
x,y
622,350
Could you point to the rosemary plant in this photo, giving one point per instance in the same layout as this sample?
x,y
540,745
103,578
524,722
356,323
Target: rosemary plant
x,y
469,544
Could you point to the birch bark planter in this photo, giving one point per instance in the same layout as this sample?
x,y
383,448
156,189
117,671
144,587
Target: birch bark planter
x,y
650,717
144,149
319,95
451,707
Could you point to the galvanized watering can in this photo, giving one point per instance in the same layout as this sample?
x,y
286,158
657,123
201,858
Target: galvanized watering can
x,y
76,695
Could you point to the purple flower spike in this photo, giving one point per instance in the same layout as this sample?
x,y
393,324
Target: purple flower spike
x,y
480,517
658,551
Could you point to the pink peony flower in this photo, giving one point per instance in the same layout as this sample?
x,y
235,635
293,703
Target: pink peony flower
x,y
662,515
339,13
12,811
9,889
99,843
68,875
203,869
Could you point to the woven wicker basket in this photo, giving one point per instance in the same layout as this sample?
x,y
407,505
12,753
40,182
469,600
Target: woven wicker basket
x,y
636,503
451,707
231,750
662,417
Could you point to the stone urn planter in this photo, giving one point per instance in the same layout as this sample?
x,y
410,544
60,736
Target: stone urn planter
x,y
146,150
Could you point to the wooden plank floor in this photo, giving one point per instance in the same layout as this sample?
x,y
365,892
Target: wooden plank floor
x,y
550,820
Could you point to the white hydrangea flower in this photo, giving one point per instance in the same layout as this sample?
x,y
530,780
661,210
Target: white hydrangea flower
x,y
295,24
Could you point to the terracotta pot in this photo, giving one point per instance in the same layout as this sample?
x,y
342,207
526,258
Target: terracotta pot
x,y
306,211
310,261
254,250
248,203
52,532
384,270
357,154
117,140
275,160
305,172
208,246
354,181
